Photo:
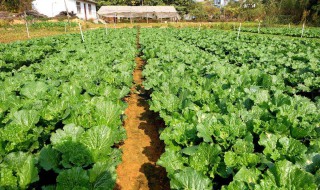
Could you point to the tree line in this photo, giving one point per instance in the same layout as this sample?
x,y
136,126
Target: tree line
x,y
271,11
275,11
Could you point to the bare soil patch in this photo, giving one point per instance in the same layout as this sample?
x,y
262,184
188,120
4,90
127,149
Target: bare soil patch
x,y
142,148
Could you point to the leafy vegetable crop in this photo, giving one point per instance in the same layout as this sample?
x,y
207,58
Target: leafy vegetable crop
x,y
285,31
229,126
61,108
296,61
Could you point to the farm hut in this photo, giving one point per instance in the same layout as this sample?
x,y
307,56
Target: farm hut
x,y
152,12
84,9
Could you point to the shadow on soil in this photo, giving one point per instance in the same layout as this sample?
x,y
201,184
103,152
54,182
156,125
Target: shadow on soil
x,y
117,187
151,124
157,177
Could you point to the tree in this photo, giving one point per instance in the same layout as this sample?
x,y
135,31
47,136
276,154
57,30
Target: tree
x,y
314,7
211,11
198,11
15,5
252,10
232,10
286,11
113,2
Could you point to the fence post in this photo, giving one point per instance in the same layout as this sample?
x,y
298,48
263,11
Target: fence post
x,y
147,18
81,32
302,31
130,17
239,31
25,17
114,20
259,28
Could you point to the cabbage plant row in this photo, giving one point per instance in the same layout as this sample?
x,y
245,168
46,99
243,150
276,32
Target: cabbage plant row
x,y
296,61
61,110
285,31
233,122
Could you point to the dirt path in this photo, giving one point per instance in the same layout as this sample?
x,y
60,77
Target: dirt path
x,y
142,148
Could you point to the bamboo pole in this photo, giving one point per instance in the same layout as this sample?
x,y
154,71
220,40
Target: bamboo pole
x,y
27,28
302,31
239,31
82,37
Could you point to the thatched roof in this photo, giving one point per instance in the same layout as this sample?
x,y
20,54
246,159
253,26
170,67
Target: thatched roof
x,y
139,11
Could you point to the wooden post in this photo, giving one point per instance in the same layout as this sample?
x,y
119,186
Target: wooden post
x,y
239,31
115,20
289,25
147,18
131,17
302,31
25,17
259,28
81,32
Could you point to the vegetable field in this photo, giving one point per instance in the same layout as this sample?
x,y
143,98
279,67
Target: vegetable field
x,y
61,109
239,112
294,32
